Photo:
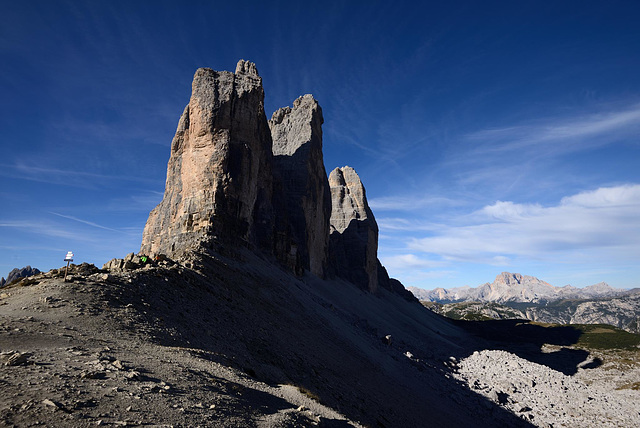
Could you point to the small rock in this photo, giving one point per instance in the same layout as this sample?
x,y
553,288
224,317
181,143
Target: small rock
x,y
118,364
51,403
94,374
132,375
15,359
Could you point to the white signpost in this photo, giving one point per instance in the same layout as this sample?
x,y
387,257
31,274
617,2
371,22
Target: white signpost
x,y
68,258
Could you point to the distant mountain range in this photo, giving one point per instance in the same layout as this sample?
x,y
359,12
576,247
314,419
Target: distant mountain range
x,y
515,288
17,274
516,296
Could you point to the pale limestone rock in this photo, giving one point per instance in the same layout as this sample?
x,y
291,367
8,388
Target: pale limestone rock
x,y
354,231
301,191
219,174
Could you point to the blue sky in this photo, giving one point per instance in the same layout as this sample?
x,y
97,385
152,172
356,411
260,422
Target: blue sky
x,y
491,136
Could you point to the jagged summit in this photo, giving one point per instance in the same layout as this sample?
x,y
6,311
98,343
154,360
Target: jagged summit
x,y
235,178
17,274
246,67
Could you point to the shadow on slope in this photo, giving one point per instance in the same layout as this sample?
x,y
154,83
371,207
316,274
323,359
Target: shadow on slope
x,y
325,337
525,339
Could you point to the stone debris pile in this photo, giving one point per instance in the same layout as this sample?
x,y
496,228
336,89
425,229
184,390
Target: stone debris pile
x,y
546,397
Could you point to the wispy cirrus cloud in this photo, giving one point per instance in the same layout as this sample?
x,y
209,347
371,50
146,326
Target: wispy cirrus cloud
x,y
43,228
411,261
554,136
66,177
90,223
410,202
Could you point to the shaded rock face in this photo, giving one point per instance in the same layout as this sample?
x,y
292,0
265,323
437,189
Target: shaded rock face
x,y
354,231
302,201
219,181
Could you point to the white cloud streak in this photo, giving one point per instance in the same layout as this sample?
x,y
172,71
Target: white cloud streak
x,y
90,223
558,136
79,179
409,203
599,225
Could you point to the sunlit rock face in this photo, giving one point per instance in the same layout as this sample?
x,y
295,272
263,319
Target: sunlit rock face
x,y
302,201
354,231
219,180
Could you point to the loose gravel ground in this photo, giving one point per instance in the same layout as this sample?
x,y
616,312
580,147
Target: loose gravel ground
x,y
549,398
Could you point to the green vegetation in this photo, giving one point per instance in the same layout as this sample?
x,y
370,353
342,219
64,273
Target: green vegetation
x,y
602,336
474,316
634,386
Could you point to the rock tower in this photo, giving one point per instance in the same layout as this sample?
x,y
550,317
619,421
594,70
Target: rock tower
x,y
219,180
236,179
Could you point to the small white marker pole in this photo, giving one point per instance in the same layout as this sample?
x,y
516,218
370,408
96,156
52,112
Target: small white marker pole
x,y
68,258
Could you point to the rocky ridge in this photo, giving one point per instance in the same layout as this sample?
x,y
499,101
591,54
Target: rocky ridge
x,y
517,288
622,312
17,274
515,296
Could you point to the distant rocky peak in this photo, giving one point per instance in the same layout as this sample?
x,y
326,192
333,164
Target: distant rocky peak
x,y
508,278
17,274
514,287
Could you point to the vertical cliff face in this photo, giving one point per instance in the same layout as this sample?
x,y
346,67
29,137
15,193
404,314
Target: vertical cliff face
x,y
219,173
302,201
354,231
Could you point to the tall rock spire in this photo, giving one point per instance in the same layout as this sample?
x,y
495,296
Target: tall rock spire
x,y
354,231
302,201
219,174
236,179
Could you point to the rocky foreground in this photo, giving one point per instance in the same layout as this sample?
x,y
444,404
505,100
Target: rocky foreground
x,y
222,342
218,342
